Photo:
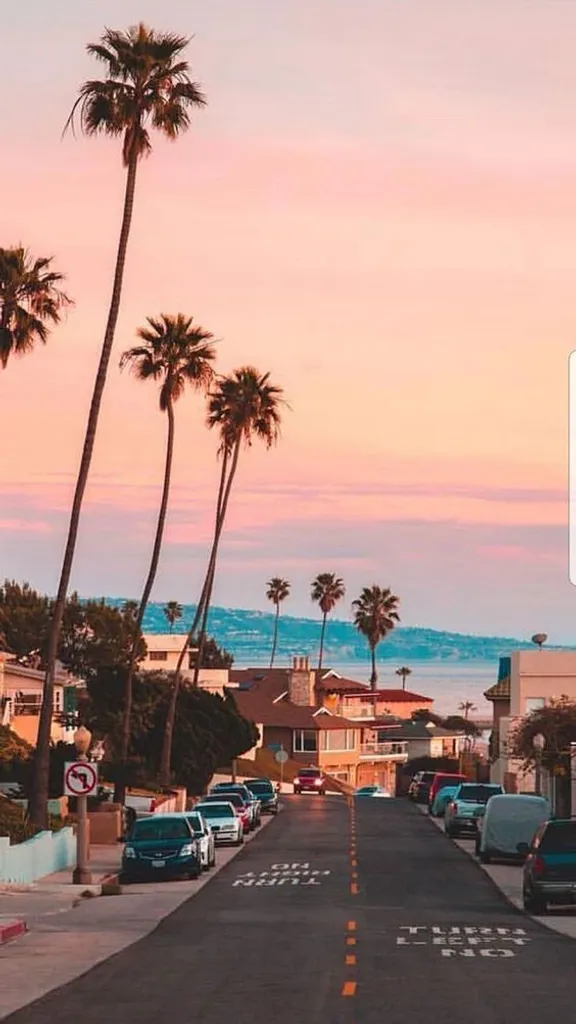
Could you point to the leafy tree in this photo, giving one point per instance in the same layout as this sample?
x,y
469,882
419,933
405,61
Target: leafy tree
x,y
244,406
176,354
97,635
458,723
466,706
375,615
277,590
173,612
557,723
24,618
14,752
424,715
31,300
147,86
327,590
215,656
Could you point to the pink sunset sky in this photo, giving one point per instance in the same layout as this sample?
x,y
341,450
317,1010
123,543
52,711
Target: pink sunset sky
x,y
378,206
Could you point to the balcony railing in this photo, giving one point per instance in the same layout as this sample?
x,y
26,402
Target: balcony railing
x,y
392,750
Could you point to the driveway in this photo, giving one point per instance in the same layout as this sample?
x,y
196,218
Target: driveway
x,y
335,916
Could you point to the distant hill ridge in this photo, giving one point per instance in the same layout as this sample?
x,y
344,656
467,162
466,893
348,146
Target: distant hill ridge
x,y
248,635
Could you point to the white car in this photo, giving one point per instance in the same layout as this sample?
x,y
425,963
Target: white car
x,y
223,820
374,791
204,836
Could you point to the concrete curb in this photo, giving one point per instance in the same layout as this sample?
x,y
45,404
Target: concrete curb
x,y
11,929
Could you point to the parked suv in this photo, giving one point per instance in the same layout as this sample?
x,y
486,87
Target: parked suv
x,y
550,866
420,787
310,780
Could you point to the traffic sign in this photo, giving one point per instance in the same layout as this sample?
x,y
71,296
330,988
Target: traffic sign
x,y
281,756
80,778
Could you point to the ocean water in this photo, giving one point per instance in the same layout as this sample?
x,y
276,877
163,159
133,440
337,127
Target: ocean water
x,y
448,683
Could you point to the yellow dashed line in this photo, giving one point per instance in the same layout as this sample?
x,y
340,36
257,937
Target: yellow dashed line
x,y
351,926
354,888
350,960
349,988
350,941
354,862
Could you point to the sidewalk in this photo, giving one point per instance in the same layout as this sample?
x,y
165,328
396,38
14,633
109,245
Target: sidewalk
x,y
508,878
68,934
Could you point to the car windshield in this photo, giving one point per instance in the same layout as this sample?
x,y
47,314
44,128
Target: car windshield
x,y
309,773
232,798
261,788
216,810
559,837
477,794
160,827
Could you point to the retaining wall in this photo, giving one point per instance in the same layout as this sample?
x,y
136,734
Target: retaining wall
x,y
42,855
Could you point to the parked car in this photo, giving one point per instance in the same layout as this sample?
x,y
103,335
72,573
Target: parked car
x,y
204,837
242,810
440,780
509,820
467,805
419,787
442,799
373,791
160,847
310,780
223,819
249,798
266,792
550,866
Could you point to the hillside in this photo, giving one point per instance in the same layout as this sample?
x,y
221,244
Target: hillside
x,y
248,634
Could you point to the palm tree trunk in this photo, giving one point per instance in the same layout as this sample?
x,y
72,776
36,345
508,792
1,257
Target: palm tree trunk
x,y
39,801
166,756
275,642
322,632
223,508
403,680
374,680
120,790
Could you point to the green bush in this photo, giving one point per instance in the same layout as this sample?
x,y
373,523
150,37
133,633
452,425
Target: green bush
x,y
14,822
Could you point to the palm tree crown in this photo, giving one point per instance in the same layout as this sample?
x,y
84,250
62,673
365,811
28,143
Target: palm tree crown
x,y
375,615
277,590
404,672
147,85
174,352
31,299
173,611
327,590
245,405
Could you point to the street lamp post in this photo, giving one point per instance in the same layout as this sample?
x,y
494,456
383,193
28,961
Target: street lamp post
x,y
538,742
82,874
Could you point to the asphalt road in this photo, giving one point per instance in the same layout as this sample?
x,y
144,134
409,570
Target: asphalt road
x,y
334,916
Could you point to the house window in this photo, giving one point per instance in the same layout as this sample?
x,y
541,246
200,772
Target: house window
x,y
158,655
534,704
305,741
338,739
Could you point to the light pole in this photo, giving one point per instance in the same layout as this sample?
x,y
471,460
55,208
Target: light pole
x,y
538,742
82,874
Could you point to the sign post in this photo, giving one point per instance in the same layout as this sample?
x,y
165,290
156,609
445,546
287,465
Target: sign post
x,y
81,781
281,757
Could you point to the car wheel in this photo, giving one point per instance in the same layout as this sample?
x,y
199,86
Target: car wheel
x,y
534,905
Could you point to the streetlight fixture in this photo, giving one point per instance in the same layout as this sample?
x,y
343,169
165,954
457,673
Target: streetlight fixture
x,y
82,874
538,742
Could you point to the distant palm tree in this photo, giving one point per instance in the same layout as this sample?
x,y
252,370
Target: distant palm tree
x,y
31,299
147,85
173,612
375,615
404,671
327,590
243,406
277,590
175,353
130,608
466,706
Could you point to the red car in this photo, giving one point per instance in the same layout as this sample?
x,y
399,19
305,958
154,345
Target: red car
x,y
310,780
440,780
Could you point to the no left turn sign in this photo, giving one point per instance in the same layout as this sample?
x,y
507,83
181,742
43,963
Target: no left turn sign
x,y
80,778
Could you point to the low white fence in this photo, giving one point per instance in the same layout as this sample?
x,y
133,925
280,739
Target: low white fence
x,y
42,855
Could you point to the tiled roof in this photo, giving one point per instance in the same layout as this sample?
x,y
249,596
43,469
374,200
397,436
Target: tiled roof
x,y
500,690
392,696
272,681
331,682
260,709
415,731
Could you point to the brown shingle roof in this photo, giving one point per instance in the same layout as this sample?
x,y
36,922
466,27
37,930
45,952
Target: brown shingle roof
x,y
260,709
500,690
393,696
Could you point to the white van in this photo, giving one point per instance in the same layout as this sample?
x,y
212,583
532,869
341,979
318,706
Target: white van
x,y
509,819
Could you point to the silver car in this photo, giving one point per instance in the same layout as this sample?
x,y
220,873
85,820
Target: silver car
x,y
204,836
225,823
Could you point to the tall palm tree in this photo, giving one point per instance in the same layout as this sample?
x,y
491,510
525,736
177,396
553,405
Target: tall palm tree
x,y
175,353
244,406
404,672
277,590
31,300
147,86
466,706
327,590
173,612
375,615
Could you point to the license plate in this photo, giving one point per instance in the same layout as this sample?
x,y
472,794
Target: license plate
x,y
158,863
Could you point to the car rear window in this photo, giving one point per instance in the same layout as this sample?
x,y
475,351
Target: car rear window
x,y
426,777
559,837
160,828
477,794
215,810
261,787
232,798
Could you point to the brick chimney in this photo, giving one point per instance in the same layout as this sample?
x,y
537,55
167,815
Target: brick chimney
x,y
301,682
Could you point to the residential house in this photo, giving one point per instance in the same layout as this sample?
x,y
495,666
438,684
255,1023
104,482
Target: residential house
x,y
527,680
21,699
163,652
423,739
304,711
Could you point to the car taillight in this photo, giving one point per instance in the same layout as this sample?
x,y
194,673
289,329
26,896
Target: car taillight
x,y
153,805
538,866
454,806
